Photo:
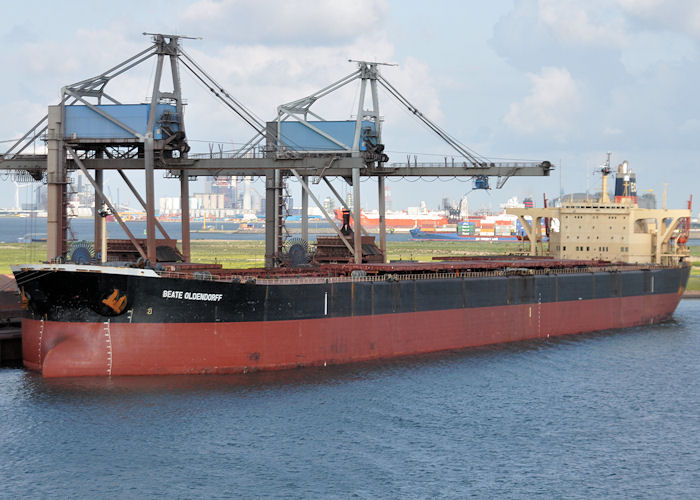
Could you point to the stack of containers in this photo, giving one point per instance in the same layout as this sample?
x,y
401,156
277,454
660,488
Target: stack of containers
x,y
466,228
502,228
487,229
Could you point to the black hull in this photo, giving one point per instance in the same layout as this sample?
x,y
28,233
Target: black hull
x,y
85,296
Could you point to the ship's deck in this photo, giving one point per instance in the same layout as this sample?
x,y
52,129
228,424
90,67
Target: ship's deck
x,y
452,265
451,268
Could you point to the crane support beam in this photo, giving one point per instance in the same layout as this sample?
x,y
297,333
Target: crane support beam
x,y
141,201
331,223
341,167
112,208
342,201
24,162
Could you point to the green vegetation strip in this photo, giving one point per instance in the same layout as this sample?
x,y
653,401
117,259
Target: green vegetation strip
x,y
251,253
20,253
245,254
230,254
694,284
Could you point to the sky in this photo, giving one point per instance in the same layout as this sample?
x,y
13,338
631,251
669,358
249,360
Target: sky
x,y
558,80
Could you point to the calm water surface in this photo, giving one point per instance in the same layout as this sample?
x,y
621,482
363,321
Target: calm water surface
x,y
13,228
613,414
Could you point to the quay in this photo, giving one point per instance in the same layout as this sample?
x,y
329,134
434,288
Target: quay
x,y
10,323
11,347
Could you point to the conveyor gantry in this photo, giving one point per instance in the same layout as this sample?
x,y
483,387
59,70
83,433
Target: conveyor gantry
x,y
141,152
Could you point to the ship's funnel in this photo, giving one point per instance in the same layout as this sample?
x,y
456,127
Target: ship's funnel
x,y
625,184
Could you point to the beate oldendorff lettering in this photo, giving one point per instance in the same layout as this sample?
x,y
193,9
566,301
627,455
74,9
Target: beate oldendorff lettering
x,y
179,294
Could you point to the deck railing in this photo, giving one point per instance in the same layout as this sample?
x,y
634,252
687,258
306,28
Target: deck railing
x,y
298,280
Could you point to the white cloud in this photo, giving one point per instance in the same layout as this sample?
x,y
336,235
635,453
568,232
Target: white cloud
x,y
588,23
615,24
414,80
263,77
681,15
551,106
85,54
289,22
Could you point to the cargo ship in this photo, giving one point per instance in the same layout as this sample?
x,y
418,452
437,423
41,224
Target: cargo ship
x,y
608,264
500,227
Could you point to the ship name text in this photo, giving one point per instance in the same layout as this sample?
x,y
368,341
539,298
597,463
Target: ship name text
x,y
182,295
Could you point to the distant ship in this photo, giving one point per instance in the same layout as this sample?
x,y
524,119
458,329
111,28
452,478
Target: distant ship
x,y
501,227
418,234
398,220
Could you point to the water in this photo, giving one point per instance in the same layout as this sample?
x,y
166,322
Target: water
x,y
606,415
14,228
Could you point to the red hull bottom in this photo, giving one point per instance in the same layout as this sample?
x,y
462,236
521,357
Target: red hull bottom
x,y
61,349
